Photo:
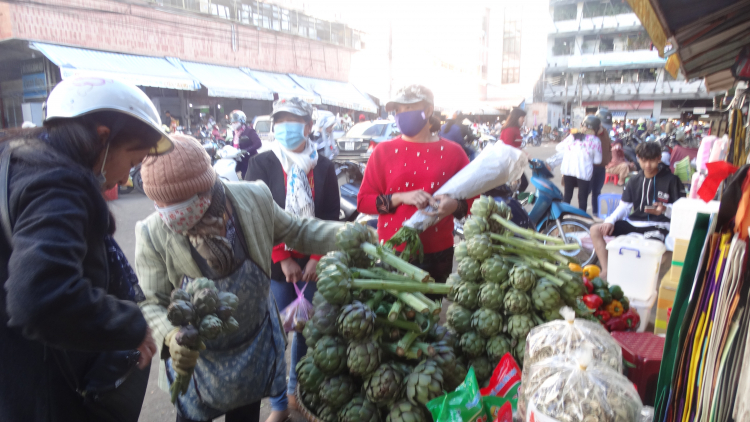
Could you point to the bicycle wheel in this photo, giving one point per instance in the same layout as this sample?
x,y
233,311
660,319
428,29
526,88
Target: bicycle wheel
x,y
576,231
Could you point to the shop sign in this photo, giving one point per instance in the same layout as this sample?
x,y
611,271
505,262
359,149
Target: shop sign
x,y
34,85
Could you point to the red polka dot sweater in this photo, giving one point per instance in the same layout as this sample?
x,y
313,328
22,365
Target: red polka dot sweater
x,y
400,166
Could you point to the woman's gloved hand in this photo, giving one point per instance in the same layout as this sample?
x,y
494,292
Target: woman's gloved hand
x,y
183,358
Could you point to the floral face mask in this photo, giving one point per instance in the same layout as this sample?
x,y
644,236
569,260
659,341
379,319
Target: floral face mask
x,y
184,216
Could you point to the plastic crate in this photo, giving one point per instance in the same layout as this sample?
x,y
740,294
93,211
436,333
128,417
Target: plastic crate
x,y
644,350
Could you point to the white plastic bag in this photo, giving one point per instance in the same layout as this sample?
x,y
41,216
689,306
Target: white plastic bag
x,y
563,337
496,165
576,388
297,313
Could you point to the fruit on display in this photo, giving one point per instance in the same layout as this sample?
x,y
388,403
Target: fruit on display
x,y
491,296
308,374
522,278
469,269
459,318
356,321
337,390
329,354
405,411
487,322
424,383
359,409
495,269
520,325
516,302
363,357
472,344
497,346
385,385
467,295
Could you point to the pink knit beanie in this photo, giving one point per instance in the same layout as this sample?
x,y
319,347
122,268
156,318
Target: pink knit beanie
x,y
178,175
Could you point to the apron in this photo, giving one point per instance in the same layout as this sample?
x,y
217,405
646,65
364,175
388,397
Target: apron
x,y
243,367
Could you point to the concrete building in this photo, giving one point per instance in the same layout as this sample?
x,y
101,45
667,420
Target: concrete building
x,y
598,54
194,58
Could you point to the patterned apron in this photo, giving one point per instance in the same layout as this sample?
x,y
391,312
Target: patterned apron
x,y
243,367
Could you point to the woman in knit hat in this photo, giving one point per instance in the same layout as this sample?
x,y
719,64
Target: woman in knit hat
x,y
205,227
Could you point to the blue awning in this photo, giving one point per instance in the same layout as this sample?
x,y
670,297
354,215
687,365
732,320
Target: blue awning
x,y
340,94
229,82
618,114
138,70
282,85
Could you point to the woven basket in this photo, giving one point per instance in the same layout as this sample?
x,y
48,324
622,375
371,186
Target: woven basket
x,y
309,416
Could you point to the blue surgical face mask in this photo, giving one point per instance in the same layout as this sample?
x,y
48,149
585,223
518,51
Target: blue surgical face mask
x,y
289,134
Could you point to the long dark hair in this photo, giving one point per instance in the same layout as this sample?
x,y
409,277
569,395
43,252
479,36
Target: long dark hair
x,y
512,120
76,138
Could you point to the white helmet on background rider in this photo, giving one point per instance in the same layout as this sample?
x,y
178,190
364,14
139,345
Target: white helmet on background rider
x,y
78,96
237,118
679,134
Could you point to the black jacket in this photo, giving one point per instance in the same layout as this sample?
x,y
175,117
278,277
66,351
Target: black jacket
x,y
54,307
267,168
665,187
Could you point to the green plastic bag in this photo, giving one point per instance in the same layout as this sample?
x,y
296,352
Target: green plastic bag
x,y
462,405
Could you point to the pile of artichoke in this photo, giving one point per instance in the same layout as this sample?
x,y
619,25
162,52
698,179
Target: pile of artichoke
x,y
201,312
509,280
375,354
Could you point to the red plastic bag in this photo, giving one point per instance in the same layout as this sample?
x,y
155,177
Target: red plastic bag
x,y
298,312
505,380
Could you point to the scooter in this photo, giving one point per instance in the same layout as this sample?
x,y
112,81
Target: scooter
x,y
532,138
350,175
226,164
549,213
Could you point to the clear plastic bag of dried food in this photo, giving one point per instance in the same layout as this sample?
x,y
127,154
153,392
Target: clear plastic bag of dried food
x,y
561,337
576,388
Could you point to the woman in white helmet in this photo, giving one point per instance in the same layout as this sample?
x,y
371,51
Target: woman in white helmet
x,y
73,342
324,142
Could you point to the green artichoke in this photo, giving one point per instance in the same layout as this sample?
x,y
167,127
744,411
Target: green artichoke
x,y
230,325
443,354
475,226
516,302
311,400
385,385
572,290
482,368
497,346
210,327
223,312
453,281
437,332
552,314
324,317
486,322
199,284
356,321
363,357
453,377
495,269
467,295
472,344
180,313
459,251
311,333
424,383
504,211
335,285
545,296
230,300
479,247
309,376
405,411
469,269
205,302
337,390
327,413
359,409
459,318
329,354
491,296
318,299
189,337
522,278
338,258
484,207
519,326
348,239
519,350
179,294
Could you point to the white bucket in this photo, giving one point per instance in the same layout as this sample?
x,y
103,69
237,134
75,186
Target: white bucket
x,y
633,264
644,309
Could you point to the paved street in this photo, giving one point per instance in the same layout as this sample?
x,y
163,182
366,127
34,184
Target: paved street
x,y
135,206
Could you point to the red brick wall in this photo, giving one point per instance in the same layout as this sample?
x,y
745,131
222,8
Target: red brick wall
x,y
119,27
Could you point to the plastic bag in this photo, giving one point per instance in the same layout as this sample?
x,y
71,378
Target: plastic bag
x,y
496,165
498,409
462,405
505,380
562,337
298,312
577,388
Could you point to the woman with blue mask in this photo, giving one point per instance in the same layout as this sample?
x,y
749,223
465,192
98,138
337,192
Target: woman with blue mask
x,y
303,183
403,174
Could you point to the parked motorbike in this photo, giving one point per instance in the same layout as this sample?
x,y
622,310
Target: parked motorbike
x,y
532,138
553,217
349,175
226,163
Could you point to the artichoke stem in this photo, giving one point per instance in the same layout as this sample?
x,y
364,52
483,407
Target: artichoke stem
x,y
395,310
375,300
411,300
396,262
406,341
527,233
404,325
525,244
398,286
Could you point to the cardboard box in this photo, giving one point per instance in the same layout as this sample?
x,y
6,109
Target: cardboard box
x,y
667,292
678,259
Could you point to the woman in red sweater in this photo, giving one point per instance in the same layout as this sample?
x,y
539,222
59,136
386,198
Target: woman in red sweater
x,y
511,133
403,173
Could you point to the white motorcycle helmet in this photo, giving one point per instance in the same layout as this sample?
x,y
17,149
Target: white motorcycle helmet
x,y
79,96
679,134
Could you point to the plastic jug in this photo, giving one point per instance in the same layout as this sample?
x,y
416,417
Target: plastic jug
x,y
633,264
